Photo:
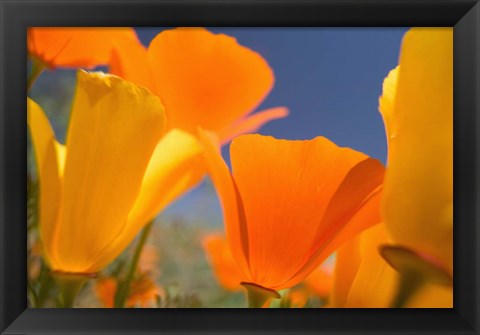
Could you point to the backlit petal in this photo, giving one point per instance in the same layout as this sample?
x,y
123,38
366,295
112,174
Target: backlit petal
x,y
234,217
375,283
252,123
363,279
106,159
61,155
206,80
368,215
386,103
175,167
354,208
129,60
49,174
287,189
347,262
75,47
418,193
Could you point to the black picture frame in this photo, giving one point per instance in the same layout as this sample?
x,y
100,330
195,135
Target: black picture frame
x,y
17,15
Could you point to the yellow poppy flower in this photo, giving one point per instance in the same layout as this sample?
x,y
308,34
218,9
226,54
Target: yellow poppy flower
x,y
203,79
94,191
289,204
362,278
417,107
75,46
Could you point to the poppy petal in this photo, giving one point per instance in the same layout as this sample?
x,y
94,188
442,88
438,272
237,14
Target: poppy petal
x,y
386,103
354,208
75,47
61,155
346,266
252,123
222,262
363,279
286,187
231,202
206,80
418,193
375,282
49,168
106,160
175,167
129,60
105,290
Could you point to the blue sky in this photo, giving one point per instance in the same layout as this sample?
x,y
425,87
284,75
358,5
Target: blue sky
x,y
329,78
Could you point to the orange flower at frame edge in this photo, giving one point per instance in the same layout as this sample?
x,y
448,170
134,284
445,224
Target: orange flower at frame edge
x,y
289,204
75,46
120,165
203,79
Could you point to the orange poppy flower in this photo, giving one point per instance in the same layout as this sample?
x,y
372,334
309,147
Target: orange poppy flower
x,y
320,281
105,290
143,291
297,297
75,47
222,262
203,80
289,204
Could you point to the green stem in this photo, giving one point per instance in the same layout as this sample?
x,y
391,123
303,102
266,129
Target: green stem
x,y
70,285
37,69
415,271
46,283
410,283
33,294
124,288
258,295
